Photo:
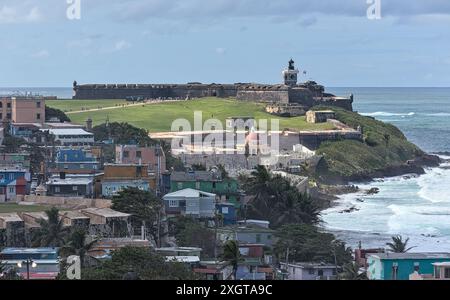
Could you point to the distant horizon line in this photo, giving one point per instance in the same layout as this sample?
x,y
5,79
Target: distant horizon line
x,y
69,87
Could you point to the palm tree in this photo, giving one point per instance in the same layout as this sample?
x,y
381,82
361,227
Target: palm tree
x,y
351,272
231,254
51,232
2,268
76,245
398,245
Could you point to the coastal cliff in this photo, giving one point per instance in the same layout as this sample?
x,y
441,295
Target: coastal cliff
x,y
384,152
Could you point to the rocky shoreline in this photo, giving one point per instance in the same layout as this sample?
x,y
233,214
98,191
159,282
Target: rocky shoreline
x,y
329,191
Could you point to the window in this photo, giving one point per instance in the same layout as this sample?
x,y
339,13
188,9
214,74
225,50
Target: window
x,y
57,189
180,185
320,273
38,104
1,115
173,203
416,267
225,210
394,271
311,271
1,104
258,238
447,273
126,154
8,105
197,185
269,237
75,188
38,116
81,166
138,154
8,116
11,189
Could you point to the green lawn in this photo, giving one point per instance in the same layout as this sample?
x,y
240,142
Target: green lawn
x,y
159,117
77,105
12,207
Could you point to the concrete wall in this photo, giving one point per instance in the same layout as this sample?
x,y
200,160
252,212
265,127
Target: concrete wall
x,y
154,91
28,110
65,201
279,96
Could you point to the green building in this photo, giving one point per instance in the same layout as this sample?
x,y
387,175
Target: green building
x,y
207,181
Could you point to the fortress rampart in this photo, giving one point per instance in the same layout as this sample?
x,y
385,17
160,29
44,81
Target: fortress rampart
x,y
307,94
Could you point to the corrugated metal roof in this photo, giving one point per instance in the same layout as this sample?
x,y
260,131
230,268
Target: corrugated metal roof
x,y
189,193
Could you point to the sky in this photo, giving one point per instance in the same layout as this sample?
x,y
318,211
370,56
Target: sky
x,y
224,41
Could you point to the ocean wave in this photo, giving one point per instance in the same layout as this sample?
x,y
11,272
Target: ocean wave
x,y
438,115
434,185
388,114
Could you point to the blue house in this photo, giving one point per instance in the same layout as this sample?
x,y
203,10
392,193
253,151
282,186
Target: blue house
x,y
228,211
76,160
399,266
13,181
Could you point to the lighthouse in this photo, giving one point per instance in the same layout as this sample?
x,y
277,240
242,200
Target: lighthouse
x,y
290,74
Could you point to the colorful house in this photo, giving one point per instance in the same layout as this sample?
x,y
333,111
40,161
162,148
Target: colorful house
x,y
190,202
13,182
46,262
118,177
247,235
228,213
76,161
227,190
399,266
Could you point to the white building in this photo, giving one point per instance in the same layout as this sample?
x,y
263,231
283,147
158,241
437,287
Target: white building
x,y
72,136
190,202
310,271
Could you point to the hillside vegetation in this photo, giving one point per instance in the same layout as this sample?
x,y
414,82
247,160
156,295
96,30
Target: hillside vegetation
x,y
158,117
384,147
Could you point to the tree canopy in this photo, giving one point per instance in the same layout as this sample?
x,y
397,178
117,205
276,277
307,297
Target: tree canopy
x,y
143,263
307,244
275,199
142,205
122,133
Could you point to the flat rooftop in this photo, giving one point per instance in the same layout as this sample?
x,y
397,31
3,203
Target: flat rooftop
x,y
105,212
70,181
425,255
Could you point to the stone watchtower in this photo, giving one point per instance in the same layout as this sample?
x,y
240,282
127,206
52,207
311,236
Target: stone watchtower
x,y
290,74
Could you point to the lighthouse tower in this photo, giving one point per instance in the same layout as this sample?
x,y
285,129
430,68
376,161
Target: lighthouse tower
x,y
290,74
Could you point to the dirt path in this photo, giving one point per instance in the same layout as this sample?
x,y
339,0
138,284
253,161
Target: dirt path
x,y
122,106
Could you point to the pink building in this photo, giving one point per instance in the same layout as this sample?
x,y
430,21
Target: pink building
x,y
22,109
153,157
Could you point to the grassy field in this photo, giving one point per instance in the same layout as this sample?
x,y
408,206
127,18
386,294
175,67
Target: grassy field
x,y
77,105
159,117
12,207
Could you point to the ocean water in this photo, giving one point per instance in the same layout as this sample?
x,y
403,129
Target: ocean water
x,y
60,92
415,207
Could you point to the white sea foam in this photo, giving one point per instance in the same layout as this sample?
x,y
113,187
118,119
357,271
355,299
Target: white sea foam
x,y
438,115
414,207
388,114
434,185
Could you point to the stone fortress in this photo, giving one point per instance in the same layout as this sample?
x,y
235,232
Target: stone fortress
x,y
287,99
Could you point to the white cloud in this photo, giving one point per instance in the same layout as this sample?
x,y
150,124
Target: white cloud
x,y
122,45
41,54
19,14
221,51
